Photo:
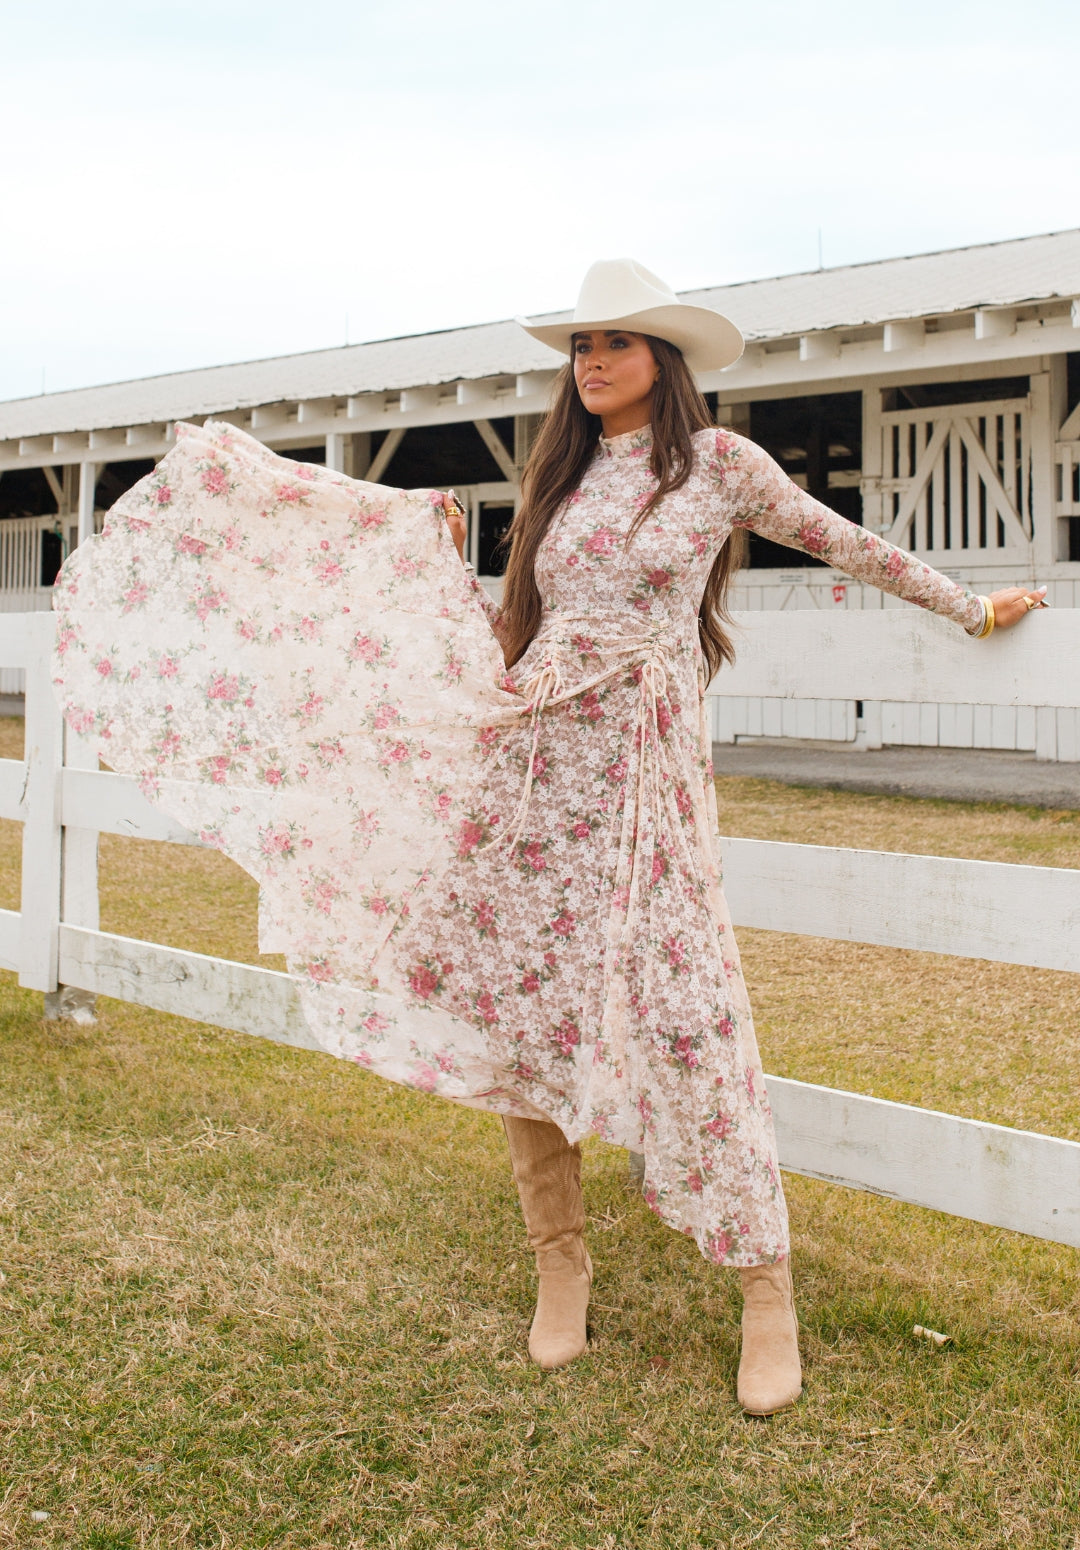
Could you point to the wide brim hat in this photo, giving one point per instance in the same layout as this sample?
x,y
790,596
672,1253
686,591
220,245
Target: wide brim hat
x,y
618,293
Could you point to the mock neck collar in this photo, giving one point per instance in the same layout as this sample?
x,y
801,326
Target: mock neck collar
x,y
630,444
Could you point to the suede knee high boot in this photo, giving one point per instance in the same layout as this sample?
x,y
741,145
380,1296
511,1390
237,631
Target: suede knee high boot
x,y
547,1170
770,1374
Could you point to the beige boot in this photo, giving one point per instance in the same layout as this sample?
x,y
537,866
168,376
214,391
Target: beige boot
x,y
770,1376
547,1170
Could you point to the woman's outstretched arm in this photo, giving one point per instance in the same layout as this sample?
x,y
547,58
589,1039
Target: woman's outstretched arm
x,y
766,501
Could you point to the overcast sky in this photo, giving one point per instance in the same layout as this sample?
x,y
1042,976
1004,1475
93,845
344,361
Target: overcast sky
x,y
219,180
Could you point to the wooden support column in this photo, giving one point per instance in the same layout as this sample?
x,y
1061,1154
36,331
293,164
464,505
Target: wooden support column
x,y
79,897
525,429
360,461
381,460
472,541
337,452
734,417
875,519
496,446
70,483
87,485
874,516
55,486
1049,403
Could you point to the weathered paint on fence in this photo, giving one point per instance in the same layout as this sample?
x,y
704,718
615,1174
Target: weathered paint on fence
x,y
239,996
903,655
931,904
1017,1179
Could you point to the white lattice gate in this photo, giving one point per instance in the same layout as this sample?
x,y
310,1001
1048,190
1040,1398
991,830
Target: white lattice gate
x,y
957,481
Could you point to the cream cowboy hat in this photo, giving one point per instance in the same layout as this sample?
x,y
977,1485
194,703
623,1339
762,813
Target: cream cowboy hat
x,y
619,293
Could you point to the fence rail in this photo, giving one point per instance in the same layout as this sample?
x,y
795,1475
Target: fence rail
x,y
1026,1182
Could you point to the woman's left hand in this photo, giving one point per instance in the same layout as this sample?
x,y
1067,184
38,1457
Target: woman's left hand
x,y
1015,603
455,520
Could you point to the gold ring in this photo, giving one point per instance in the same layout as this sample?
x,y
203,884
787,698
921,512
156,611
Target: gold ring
x,y
1031,602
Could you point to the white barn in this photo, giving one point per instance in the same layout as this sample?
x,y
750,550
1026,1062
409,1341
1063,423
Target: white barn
x,y
935,398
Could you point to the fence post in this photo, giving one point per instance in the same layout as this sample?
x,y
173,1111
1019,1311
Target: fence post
x,y
79,905
39,932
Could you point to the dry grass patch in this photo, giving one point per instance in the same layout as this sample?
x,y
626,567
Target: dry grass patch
x,y
254,1297
980,831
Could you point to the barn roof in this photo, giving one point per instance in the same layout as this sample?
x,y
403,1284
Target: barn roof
x,y
1028,269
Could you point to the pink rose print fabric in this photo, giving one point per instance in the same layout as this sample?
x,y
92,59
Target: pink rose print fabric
x,y
500,888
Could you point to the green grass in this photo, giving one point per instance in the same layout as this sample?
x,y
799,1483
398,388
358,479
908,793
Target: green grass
x,y
254,1297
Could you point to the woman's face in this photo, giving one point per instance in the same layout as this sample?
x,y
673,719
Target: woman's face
x,y
615,375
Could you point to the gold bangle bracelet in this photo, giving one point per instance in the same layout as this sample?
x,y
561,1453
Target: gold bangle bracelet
x,y
989,621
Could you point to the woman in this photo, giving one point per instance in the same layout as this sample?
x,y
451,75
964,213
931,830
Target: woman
x,y
498,884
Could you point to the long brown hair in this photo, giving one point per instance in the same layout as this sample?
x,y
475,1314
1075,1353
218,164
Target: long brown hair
x,y
563,450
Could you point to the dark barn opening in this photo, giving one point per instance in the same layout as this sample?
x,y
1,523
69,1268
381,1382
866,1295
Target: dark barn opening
x,y
811,438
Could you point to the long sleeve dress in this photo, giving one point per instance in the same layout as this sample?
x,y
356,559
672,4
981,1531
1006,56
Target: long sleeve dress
x,y
500,887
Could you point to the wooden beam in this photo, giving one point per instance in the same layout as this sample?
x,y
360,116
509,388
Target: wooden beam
x,y
495,445
929,904
358,454
98,799
10,929
264,1002
996,495
39,922
530,383
336,451
995,322
819,347
80,898
363,405
1049,400
903,654
907,335
87,486
1008,1178
923,469
419,398
482,390
873,499
101,440
148,435
13,790
266,416
381,461
55,486
313,410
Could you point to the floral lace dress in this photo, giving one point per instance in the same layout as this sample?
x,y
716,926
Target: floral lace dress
x,y
504,889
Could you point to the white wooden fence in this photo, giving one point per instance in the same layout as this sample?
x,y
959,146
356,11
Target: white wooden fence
x,y
1019,1180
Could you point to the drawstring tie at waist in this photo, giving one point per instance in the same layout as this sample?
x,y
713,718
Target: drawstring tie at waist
x,y
547,687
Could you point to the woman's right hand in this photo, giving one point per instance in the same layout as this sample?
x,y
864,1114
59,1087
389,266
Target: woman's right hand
x,y
1015,603
455,521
